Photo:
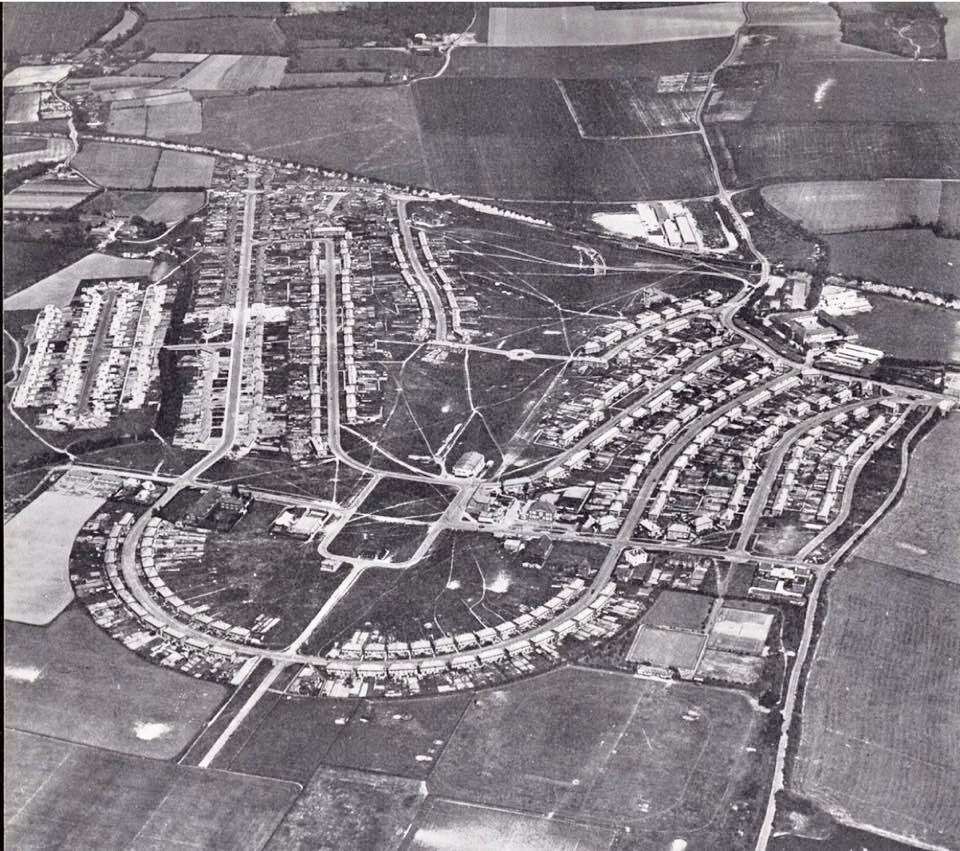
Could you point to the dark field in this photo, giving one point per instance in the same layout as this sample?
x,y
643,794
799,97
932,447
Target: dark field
x,y
55,27
914,30
629,108
749,153
887,753
679,610
441,822
911,257
402,498
349,809
364,537
26,262
82,688
21,144
588,63
668,760
934,333
161,11
210,35
68,796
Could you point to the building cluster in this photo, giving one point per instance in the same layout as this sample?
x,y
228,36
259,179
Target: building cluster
x,y
97,357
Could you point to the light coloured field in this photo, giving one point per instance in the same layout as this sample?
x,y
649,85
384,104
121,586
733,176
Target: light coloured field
x,y
174,119
666,648
951,30
838,206
117,166
59,287
171,207
158,69
520,26
225,71
127,121
36,556
922,532
28,75
880,741
177,57
57,148
45,195
126,23
23,108
731,667
178,168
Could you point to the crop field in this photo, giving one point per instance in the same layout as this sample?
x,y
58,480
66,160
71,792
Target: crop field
x,y
589,63
47,194
666,759
174,119
908,257
117,166
22,144
36,580
70,679
322,79
127,121
921,532
666,648
235,72
59,287
628,108
180,169
888,754
212,35
369,130
23,108
158,69
520,26
679,610
72,796
754,153
851,205
344,809
441,822
56,28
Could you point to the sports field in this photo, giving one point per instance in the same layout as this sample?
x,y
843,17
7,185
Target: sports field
x,y
72,680
679,610
887,754
179,169
449,824
836,206
922,532
663,758
119,166
59,287
69,796
666,648
36,556
522,26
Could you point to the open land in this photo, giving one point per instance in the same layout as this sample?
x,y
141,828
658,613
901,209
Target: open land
x,y
212,35
26,261
679,610
910,257
36,556
666,648
59,287
886,755
72,680
681,747
235,72
66,795
178,169
921,533
895,327
23,108
56,27
120,166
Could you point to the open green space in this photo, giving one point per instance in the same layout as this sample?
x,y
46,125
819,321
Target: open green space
x,y
407,499
55,27
910,330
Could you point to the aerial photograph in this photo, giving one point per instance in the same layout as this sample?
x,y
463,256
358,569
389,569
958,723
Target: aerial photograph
x,y
504,426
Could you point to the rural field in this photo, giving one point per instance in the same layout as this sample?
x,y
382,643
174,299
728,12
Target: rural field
x,y
211,35
71,679
907,257
22,108
118,166
36,581
235,72
888,754
57,27
179,169
838,206
667,759
519,26
67,795
751,153
921,533
442,823
59,287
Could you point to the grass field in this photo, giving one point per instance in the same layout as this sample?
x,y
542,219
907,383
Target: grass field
x,y
401,498
23,108
448,824
519,26
679,610
888,754
349,809
158,69
117,166
668,760
26,261
65,795
36,580
666,648
761,153
922,531
56,27
72,680
211,35
178,169
907,257
59,287
172,119
839,206
170,207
